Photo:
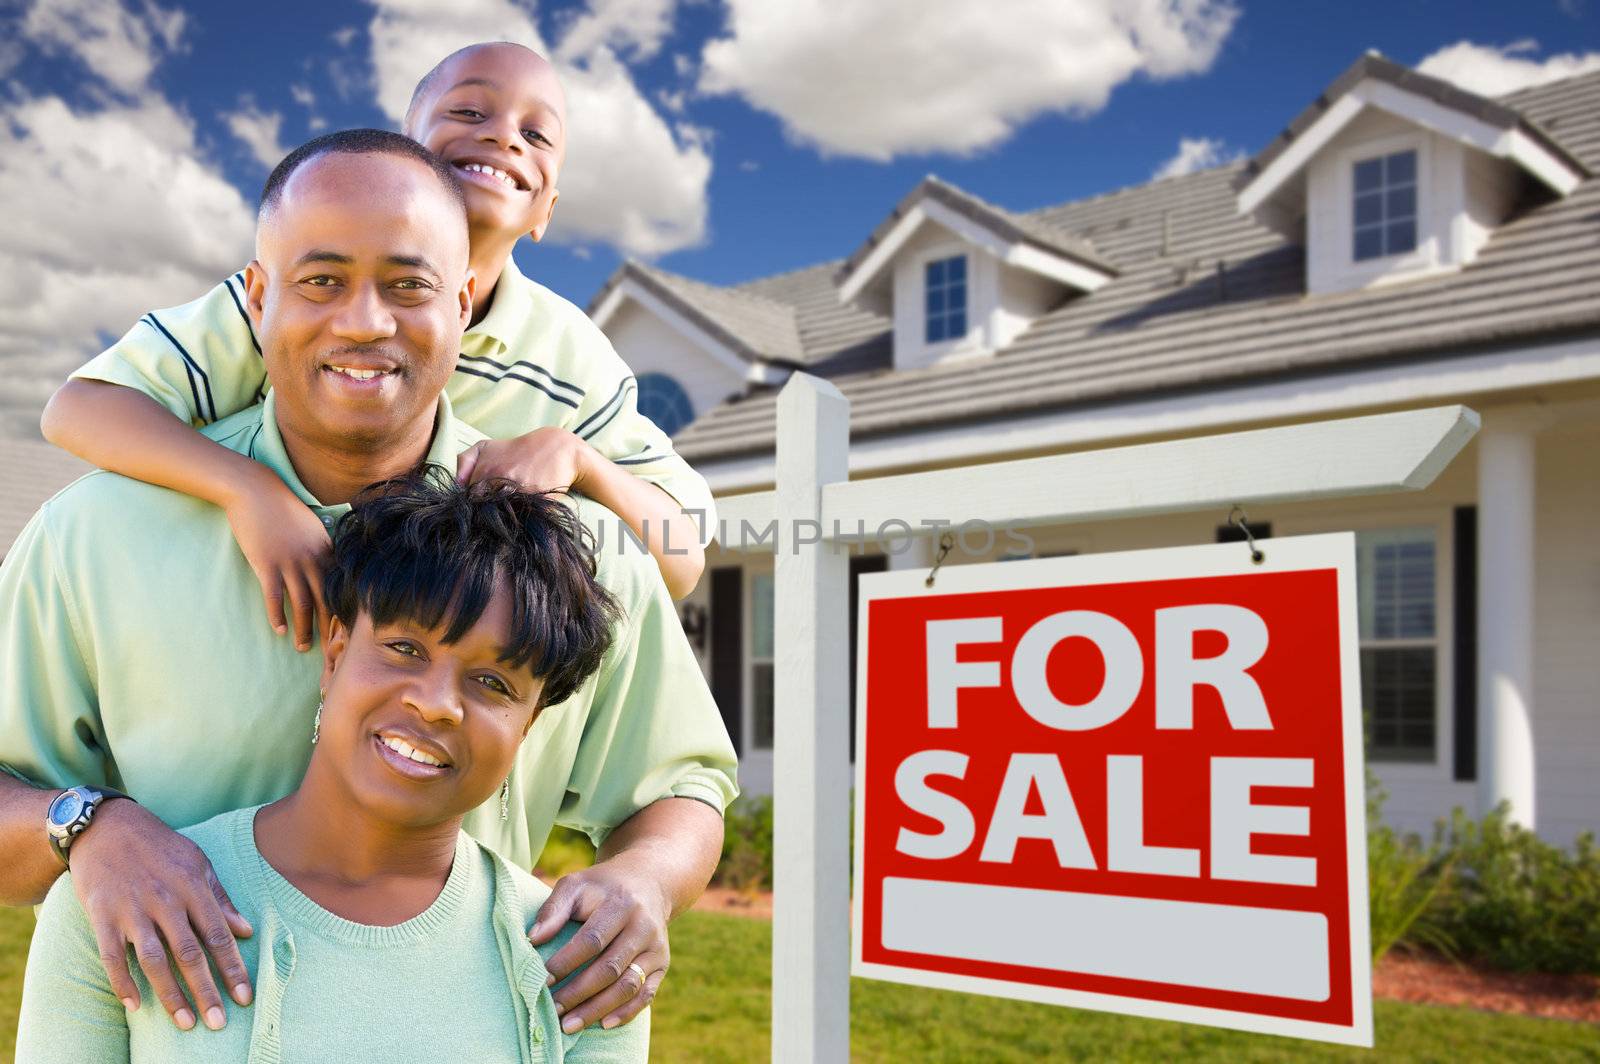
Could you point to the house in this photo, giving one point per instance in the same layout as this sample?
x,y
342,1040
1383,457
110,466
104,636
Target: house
x,y
1403,243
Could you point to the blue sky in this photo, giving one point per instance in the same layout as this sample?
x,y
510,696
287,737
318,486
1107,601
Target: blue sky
x,y
725,139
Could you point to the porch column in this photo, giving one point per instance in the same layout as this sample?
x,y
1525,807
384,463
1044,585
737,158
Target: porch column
x,y
1506,548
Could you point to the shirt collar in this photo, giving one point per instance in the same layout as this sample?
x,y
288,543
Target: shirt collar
x,y
507,310
268,449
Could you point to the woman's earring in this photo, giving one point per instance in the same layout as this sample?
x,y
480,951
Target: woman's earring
x,y
316,724
505,797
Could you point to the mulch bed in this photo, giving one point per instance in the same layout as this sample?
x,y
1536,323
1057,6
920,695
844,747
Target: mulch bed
x,y
1400,976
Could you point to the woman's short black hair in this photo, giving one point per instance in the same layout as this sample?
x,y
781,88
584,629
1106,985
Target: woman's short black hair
x,y
424,549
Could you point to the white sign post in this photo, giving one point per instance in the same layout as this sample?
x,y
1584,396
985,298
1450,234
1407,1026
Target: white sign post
x,y
817,508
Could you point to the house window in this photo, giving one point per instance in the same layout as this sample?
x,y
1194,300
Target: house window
x,y
761,621
1385,206
663,401
945,282
1395,572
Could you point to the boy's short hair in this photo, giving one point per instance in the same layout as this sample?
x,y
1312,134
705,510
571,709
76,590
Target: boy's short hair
x,y
360,142
424,549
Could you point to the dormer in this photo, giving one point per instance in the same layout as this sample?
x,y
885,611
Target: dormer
x,y
960,278
690,345
1393,175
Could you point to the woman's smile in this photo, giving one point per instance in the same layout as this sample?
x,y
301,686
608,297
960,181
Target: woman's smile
x,y
408,760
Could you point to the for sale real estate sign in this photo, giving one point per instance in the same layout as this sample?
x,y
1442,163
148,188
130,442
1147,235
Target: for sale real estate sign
x,y
1130,782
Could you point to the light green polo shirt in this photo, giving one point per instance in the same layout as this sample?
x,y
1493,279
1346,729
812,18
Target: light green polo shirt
x,y
134,654
535,360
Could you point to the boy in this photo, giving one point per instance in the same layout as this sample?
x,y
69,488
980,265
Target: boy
x,y
535,374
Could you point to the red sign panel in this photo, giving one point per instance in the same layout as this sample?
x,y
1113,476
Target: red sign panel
x,y
1129,782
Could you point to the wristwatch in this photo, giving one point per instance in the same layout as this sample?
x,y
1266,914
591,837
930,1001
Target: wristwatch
x,y
70,814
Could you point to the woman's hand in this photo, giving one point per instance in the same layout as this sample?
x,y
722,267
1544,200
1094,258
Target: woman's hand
x,y
287,547
624,918
547,459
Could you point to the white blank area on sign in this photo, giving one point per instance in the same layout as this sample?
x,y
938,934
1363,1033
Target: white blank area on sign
x,y
1277,952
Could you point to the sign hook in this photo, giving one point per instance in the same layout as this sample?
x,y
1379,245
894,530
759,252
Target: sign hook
x,y
1239,519
946,542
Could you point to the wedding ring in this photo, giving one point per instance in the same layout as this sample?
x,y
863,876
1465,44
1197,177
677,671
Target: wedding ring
x,y
636,968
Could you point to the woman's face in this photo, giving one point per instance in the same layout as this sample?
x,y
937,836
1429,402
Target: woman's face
x,y
420,730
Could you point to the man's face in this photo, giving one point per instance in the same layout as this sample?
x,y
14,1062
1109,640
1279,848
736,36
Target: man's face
x,y
360,292
498,106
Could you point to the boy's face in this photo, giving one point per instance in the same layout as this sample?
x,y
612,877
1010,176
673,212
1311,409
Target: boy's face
x,y
498,106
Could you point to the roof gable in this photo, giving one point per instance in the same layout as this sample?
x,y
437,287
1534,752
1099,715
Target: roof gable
x,y
1271,182
751,327
1017,240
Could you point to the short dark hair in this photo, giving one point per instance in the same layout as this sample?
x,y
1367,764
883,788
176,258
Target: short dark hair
x,y
360,142
425,549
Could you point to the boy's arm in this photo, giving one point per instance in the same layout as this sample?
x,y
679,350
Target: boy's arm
x,y
552,459
127,432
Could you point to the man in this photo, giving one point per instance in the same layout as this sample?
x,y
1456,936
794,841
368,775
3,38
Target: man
x,y
133,656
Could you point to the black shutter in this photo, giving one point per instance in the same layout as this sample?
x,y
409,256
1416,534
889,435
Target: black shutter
x,y
727,649
1466,644
864,563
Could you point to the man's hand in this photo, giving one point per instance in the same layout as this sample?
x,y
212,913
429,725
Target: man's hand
x,y
142,884
624,918
287,546
547,459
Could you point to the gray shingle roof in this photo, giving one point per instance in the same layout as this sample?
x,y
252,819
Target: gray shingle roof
x,y
1374,66
31,471
1016,228
1205,297
753,326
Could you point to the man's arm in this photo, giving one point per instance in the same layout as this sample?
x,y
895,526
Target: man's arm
x,y
30,866
647,871
140,883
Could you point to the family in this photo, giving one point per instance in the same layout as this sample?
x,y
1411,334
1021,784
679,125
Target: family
x,y
306,836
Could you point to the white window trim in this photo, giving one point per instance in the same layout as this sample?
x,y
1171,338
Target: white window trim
x,y
747,708
973,338
1425,257
1442,520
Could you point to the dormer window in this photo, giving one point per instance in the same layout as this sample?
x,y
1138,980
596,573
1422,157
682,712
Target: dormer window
x,y
945,282
1385,213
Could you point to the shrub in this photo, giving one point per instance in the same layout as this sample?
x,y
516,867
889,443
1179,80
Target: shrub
x,y
1404,883
1519,902
746,863
565,851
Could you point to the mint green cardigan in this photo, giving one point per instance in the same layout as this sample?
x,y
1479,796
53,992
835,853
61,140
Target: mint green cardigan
x,y
457,982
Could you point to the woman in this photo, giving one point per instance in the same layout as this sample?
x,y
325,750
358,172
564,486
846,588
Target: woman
x,y
384,932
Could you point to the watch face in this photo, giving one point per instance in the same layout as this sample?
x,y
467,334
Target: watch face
x,y
66,808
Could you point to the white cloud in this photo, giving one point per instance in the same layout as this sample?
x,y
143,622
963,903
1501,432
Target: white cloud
x,y
634,27
1492,70
119,46
630,180
259,131
121,214
302,95
891,77
1195,153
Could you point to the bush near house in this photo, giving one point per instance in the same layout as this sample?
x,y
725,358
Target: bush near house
x,y
1485,891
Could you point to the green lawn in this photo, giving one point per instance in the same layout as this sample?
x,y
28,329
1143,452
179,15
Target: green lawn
x,y
714,1009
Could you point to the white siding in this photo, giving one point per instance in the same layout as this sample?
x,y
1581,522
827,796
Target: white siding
x,y
1566,707
649,345
929,243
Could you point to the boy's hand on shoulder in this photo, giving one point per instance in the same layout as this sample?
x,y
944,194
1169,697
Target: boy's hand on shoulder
x,y
547,459
287,547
